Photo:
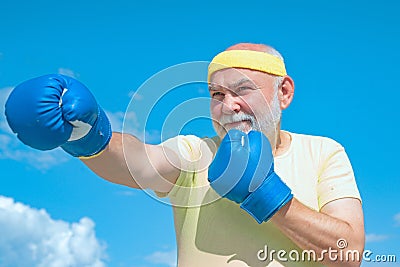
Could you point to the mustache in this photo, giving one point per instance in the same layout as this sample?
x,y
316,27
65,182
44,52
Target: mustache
x,y
237,117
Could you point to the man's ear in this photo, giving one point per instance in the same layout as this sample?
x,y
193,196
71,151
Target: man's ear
x,y
286,92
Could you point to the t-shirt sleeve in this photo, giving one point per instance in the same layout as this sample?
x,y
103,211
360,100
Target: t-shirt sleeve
x,y
336,177
195,157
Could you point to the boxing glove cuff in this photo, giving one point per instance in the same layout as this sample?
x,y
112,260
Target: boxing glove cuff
x,y
94,142
267,199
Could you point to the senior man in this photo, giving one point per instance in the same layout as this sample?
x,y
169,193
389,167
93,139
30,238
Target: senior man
x,y
255,195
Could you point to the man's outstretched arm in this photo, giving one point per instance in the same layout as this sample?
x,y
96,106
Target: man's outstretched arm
x,y
59,111
128,161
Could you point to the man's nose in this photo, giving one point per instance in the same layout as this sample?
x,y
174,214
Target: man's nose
x,y
230,104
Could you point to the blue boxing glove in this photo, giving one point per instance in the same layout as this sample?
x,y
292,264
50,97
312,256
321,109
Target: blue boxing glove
x,y
56,110
243,171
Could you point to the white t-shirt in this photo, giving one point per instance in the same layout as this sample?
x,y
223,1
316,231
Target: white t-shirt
x,y
213,231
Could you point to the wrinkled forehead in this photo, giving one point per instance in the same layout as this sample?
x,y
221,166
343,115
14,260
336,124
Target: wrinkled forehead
x,y
233,77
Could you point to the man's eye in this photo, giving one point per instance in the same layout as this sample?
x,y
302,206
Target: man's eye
x,y
243,88
217,94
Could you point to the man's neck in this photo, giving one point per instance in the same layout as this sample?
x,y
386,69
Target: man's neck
x,y
283,141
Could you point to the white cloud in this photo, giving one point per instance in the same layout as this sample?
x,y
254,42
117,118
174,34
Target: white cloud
x,y
117,122
68,72
30,237
4,93
202,91
129,123
369,238
397,219
167,258
135,95
127,193
12,148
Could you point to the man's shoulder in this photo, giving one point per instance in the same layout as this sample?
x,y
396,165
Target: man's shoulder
x,y
313,138
193,140
192,148
316,143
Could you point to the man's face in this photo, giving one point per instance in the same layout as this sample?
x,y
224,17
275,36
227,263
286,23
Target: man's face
x,y
245,100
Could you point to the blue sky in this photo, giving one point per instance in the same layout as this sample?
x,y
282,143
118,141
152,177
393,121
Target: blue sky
x,y
342,55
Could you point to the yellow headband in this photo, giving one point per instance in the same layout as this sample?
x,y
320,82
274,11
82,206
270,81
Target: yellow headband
x,y
247,59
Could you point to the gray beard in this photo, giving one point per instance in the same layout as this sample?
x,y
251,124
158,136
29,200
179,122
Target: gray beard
x,y
266,122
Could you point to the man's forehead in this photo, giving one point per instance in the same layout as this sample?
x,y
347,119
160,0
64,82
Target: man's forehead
x,y
232,77
232,83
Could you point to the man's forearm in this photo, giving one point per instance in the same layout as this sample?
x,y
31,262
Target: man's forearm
x,y
320,232
128,161
111,163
